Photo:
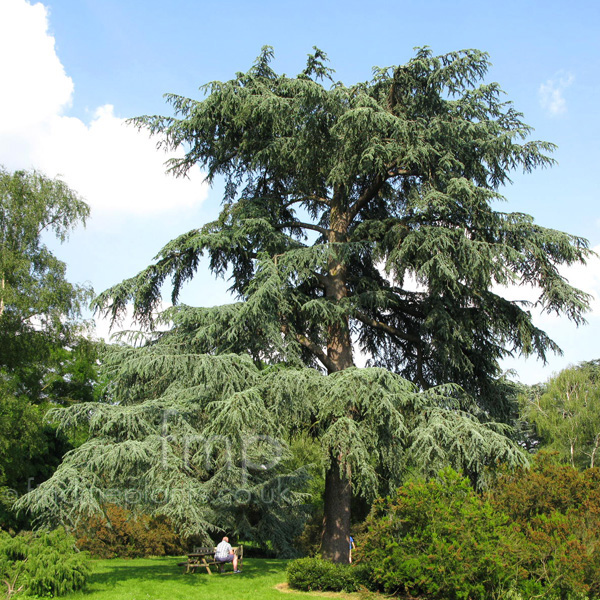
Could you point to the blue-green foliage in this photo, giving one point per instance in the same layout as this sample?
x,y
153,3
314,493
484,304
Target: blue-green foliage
x,y
204,424
42,564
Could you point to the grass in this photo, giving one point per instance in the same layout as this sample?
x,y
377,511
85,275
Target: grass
x,y
162,579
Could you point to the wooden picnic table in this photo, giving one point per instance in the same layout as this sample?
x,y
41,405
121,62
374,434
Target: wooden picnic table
x,y
205,557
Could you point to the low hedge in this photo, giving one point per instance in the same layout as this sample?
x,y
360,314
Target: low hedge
x,y
308,574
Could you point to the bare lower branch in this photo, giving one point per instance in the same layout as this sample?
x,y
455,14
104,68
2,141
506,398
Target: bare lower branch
x,y
386,328
301,225
317,351
367,196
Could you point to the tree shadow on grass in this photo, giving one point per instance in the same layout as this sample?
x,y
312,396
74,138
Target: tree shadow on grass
x,y
251,569
112,575
259,567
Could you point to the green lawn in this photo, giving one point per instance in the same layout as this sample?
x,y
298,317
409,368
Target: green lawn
x,y
162,579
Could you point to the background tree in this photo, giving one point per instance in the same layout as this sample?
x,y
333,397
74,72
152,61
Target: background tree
x,y
565,414
44,358
361,217
40,311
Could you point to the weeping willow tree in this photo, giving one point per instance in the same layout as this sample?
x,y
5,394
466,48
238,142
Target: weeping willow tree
x,y
355,218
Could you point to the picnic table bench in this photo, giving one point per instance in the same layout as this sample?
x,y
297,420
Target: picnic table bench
x,y
205,557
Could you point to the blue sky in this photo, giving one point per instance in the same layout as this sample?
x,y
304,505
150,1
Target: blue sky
x,y
73,70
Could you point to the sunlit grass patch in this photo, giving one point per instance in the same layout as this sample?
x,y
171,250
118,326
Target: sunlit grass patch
x,y
162,579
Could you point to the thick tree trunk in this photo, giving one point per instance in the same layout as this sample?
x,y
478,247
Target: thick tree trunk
x,y
336,522
338,487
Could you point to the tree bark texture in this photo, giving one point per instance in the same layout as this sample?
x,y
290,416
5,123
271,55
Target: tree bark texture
x,y
335,544
338,486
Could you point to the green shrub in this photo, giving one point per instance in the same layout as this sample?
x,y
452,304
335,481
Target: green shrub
x,y
307,574
557,510
42,564
536,536
308,543
438,539
554,563
546,487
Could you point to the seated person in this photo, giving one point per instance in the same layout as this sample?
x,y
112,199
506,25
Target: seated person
x,y
224,553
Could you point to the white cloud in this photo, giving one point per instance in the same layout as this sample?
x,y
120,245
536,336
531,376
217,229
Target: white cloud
x,y
34,81
114,167
551,93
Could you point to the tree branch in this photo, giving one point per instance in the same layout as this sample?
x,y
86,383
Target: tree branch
x,y
397,172
386,328
49,223
420,375
368,195
313,227
307,199
374,188
317,351
322,279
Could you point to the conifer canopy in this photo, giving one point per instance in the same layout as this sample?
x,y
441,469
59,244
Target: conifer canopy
x,y
364,212
355,219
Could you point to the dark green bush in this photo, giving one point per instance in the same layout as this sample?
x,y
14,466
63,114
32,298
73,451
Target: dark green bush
x,y
308,543
536,536
438,539
307,574
557,510
42,564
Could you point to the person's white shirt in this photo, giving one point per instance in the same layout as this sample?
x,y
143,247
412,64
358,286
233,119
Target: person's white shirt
x,y
223,550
